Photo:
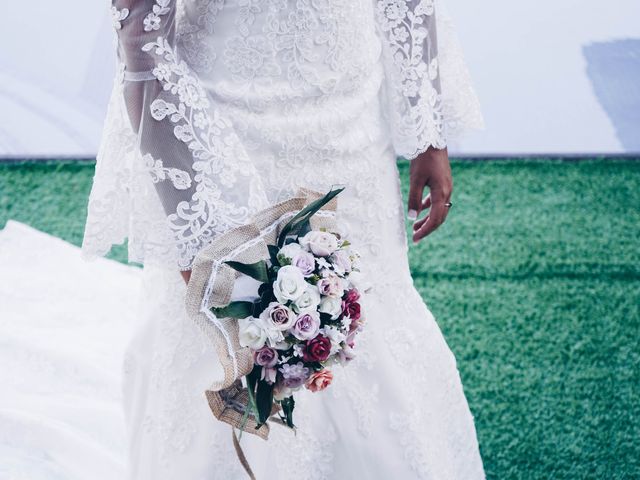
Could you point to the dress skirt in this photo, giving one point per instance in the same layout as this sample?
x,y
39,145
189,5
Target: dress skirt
x,y
398,409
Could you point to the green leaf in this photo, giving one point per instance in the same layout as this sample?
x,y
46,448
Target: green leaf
x,y
252,379
301,228
264,401
273,254
287,408
256,270
266,297
305,214
234,310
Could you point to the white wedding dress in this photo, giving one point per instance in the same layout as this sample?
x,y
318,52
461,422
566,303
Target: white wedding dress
x,y
223,107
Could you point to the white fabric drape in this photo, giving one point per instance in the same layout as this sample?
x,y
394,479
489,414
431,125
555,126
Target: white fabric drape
x,y
172,172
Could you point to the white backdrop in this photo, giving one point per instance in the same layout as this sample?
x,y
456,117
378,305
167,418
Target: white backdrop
x,y
553,76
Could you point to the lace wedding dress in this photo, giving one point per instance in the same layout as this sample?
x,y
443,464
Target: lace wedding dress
x,y
223,107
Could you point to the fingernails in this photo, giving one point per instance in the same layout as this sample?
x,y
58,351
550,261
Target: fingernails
x,y
412,215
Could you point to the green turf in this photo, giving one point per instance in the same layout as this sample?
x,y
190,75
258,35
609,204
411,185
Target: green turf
x,y
535,281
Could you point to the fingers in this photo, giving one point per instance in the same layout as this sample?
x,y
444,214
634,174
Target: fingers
x,y
426,203
435,218
416,188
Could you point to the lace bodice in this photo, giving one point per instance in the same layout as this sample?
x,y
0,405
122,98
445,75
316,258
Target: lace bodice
x,y
197,77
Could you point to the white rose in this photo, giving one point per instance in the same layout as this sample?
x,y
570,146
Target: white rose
x,y
290,250
309,300
331,306
289,285
320,243
275,339
251,333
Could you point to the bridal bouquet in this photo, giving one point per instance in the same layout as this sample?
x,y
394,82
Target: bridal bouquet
x,y
305,318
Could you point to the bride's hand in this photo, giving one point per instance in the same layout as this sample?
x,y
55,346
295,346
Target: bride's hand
x,y
186,275
429,169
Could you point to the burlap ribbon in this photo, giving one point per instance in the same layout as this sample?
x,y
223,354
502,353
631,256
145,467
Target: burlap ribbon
x,y
211,285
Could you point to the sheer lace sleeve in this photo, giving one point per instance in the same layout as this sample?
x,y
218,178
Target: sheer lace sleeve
x,y
429,97
201,173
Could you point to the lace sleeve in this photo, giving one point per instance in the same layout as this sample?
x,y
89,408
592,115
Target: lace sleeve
x,y
201,172
428,96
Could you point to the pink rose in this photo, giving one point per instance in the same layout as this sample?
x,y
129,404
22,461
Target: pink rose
x,y
266,357
319,380
317,349
278,317
330,286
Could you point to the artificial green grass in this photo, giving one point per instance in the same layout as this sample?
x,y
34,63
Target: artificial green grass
x,y
535,282
49,196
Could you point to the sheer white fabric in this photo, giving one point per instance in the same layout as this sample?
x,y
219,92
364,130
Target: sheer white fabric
x,y
300,93
172,171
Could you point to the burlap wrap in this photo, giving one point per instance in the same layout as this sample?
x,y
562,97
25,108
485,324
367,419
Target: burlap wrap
x,y
211,285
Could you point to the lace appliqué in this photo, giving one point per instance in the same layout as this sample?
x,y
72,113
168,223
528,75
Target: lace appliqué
x,y
117,16
153,20
414,84
179,178
218,157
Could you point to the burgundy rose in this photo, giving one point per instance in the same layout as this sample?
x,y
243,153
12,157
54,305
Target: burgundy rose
x,y
317,349
351,310
266,357
352,296
350,305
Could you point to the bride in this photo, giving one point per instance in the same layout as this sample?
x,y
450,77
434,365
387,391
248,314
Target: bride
x,y
223,107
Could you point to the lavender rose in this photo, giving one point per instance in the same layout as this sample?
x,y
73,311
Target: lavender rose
x,y
306,326
266,357
277,316
305,262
